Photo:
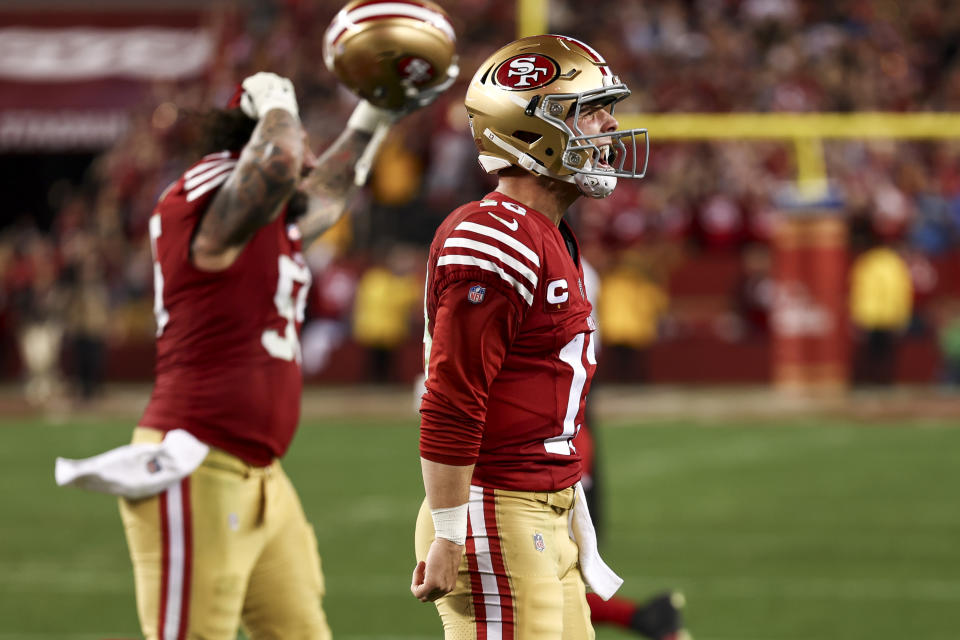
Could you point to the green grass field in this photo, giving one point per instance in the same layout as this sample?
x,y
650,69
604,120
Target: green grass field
x,y
789,531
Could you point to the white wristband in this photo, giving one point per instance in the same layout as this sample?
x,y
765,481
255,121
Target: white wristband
x,y
451,523
367,117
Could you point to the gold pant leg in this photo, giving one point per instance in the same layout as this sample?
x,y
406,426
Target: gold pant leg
x,y
519,578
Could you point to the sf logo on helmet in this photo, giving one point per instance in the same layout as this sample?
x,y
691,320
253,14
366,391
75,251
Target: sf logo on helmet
x,y
416,70
525,72
526,69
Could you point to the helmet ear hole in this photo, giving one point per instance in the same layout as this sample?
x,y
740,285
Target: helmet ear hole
x,y
527,136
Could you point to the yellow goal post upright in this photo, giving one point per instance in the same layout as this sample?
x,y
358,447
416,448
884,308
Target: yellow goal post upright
x,y
811,350
806,131
809,326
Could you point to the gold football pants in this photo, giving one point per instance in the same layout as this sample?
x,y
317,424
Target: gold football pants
x,y
519,578
228,545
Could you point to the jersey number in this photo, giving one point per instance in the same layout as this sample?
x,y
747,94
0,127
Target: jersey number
x,y
572,354
287,346
159,311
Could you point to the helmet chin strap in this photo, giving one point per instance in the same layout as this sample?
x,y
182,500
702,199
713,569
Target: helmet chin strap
x,y
592,186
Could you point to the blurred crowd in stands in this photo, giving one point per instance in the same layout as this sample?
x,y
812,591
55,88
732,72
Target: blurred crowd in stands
x,y
69,291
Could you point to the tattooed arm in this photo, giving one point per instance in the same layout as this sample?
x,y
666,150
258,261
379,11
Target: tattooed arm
x,y
330,185
344,167
264,179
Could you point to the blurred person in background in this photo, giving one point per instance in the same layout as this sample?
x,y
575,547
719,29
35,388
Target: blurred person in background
x,y
754,290
39,302
948,335
226,543
329,305
881,305
88,314
631,305
8,345
660,617
388,294
508,353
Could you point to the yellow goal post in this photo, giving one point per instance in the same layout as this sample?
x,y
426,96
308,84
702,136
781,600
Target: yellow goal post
x,y
805,130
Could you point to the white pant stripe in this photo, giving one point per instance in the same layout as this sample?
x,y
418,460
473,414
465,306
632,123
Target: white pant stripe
x,y
488,580
175,563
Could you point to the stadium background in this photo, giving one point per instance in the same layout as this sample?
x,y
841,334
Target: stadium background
x,y
804,515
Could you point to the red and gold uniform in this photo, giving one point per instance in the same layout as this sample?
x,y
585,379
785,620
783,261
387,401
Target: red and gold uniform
x,y
230,543
509,359
228,349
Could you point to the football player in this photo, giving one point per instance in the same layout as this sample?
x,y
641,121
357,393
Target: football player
x,y
509,352
660,617
229,543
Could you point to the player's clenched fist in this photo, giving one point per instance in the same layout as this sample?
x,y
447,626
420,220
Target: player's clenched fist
x,y
264,91
437,576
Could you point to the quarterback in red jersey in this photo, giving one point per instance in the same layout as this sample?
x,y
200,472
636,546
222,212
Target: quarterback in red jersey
x,y
229,544
509,353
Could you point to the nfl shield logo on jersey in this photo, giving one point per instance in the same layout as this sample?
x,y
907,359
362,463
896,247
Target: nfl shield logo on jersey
x,y
477,293
538,542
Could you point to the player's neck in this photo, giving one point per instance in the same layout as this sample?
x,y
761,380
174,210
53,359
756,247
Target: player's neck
x,y
550,197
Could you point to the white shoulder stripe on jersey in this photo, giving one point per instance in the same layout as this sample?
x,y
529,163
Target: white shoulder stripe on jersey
x,y
203,166
207,186
490,250
486,265
510,241
197,180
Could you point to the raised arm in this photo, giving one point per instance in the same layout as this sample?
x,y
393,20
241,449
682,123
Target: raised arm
x,y
343,169
265,177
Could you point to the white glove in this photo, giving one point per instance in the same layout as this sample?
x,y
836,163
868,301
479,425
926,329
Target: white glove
x,y
264,91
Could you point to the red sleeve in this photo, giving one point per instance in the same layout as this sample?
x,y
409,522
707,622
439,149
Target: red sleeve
x,y
469,343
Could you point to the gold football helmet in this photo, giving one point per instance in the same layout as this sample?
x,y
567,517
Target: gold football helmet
x,y
519,104
396,55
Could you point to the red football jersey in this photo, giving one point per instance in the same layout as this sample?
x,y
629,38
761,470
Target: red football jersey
x,y
507,347
228,342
